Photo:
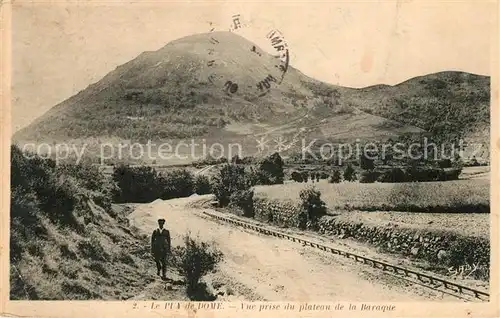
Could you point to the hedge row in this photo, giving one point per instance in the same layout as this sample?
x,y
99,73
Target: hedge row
x,y
412,174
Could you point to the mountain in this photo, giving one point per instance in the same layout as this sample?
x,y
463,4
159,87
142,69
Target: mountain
x,y
183,90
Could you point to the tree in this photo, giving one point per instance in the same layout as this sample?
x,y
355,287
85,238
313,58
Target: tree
x,y
305,176
271,170
296,176
312,205
236,159
349,173
366,162
336,177
202,185
230,179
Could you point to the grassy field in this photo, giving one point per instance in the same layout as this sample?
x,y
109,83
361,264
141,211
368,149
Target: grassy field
x,y
389,204
459,196
467,224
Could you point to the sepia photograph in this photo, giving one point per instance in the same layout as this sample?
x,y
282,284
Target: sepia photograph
x,y
330,155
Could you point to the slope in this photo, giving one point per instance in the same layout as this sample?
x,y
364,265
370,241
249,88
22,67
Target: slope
x,y
182,91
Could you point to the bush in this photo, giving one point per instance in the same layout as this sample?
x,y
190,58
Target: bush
x,y
92,249
312,204
236,160
302,220
312,176
445,163
336,177
450,174
136,184
305,176
202,185
209,161
271,170
349,173
175,184
369,176
194,260
252,176
394,175
143,184
230,179
243,199
47,188
296,176
366,163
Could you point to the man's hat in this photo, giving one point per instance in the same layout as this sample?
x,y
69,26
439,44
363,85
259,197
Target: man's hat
x,y
161,220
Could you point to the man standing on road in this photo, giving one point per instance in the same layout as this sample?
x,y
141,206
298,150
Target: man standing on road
x,y
160,247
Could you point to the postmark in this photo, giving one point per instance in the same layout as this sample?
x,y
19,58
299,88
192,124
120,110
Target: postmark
x,y
263,84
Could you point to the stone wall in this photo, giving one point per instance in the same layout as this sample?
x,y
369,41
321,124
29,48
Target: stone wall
x,y
446,252
276,212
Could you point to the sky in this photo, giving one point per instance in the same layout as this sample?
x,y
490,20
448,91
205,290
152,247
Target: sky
x,y
60,49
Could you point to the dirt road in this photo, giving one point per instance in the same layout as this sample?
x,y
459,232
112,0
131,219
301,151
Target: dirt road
x,y
275,269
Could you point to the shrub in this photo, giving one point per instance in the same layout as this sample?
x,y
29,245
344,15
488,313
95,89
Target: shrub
x,y
136,184
336,177
144,184
230,178
423,174
445,163
92,249
175,184
194,260
302,220
252,176
312,204
38,185
271,170
393,175
305,176
88,175
296,176
243,199
349,173
366,163
450,174
369,176
312,176
202,185
236,160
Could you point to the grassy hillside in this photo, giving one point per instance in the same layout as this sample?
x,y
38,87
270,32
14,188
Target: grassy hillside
x,y
67,240
179,92
450,105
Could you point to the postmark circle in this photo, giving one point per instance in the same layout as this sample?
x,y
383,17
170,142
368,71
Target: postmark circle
x,y
264,84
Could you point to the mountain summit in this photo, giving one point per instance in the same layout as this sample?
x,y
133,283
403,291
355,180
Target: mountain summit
x,y
212,85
